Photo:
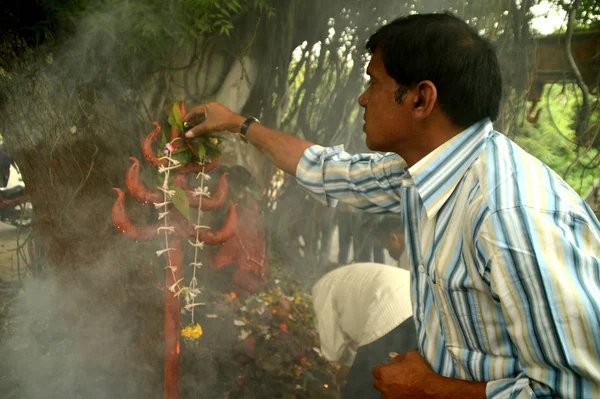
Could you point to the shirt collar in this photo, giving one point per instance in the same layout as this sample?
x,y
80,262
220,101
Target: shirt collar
x,y
437,175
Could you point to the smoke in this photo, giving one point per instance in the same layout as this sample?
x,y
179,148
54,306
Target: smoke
x,y
62,342
68,335
89,102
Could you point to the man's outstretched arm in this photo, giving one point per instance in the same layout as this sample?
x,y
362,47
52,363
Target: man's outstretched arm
x,y
330,174
284,150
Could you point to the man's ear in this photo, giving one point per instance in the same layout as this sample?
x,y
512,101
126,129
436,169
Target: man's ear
x,y
425,98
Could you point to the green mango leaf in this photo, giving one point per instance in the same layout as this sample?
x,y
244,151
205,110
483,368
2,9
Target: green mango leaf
x,y
183,155
175,118
171,120
213,153
181,201
163,139
212,150
201,152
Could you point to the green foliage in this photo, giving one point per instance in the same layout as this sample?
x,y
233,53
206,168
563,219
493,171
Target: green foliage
x,y
200,151
196,149
175,119
181,201
205,148
212,146
588,15
182,155
552,139
154,26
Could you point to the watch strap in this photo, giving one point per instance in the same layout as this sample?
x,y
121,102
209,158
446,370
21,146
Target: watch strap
x,y
245,126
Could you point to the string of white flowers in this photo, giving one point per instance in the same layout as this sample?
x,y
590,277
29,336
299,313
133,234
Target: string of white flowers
x,y
198,245
167,194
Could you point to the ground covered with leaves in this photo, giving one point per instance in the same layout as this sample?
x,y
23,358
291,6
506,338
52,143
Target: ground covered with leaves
x,y
269,342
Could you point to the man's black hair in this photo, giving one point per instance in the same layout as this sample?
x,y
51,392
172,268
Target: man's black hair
x,y
388,225
445,50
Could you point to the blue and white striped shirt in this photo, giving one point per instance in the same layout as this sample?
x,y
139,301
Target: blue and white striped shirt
x,y
505,259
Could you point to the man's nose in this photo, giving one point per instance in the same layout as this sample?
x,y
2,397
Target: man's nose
x,y
362,99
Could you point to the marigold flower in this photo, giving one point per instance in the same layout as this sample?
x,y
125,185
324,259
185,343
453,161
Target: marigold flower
x,y
192,331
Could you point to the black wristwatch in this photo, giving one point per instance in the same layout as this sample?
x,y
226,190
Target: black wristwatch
x,y
245,126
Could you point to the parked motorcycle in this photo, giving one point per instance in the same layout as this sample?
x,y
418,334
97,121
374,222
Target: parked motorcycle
x,y
15,209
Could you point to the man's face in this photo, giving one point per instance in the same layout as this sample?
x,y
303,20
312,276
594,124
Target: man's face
x,y
387,122
394,243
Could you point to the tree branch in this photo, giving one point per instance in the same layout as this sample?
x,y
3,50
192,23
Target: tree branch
x,y
582,124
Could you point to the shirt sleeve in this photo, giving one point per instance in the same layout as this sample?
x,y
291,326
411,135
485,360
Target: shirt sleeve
x,y
543,269
369,182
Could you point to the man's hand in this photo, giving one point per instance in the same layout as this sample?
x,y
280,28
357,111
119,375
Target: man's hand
x,y
409,376
284,150
406,376
217,118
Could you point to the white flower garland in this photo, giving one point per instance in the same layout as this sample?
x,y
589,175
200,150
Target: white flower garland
x,y
191,291
167,194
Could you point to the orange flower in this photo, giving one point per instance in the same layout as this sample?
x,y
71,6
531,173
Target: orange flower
x,y
233,295
283,327
303,361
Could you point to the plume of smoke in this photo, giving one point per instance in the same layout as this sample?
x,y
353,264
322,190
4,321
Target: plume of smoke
x,y
62,342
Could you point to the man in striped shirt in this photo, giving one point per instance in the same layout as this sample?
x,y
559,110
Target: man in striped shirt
x,y
505,255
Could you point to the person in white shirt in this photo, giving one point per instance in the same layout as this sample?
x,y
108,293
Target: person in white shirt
x,y
364,307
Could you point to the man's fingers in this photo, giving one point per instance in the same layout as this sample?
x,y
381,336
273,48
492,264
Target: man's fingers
x,y
200,110
378,384
398,358
197,130
377,371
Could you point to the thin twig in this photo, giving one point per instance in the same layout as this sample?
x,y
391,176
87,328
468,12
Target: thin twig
x,y
80,187
584,119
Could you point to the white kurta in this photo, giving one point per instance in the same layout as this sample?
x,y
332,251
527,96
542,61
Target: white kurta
x,y
358,304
